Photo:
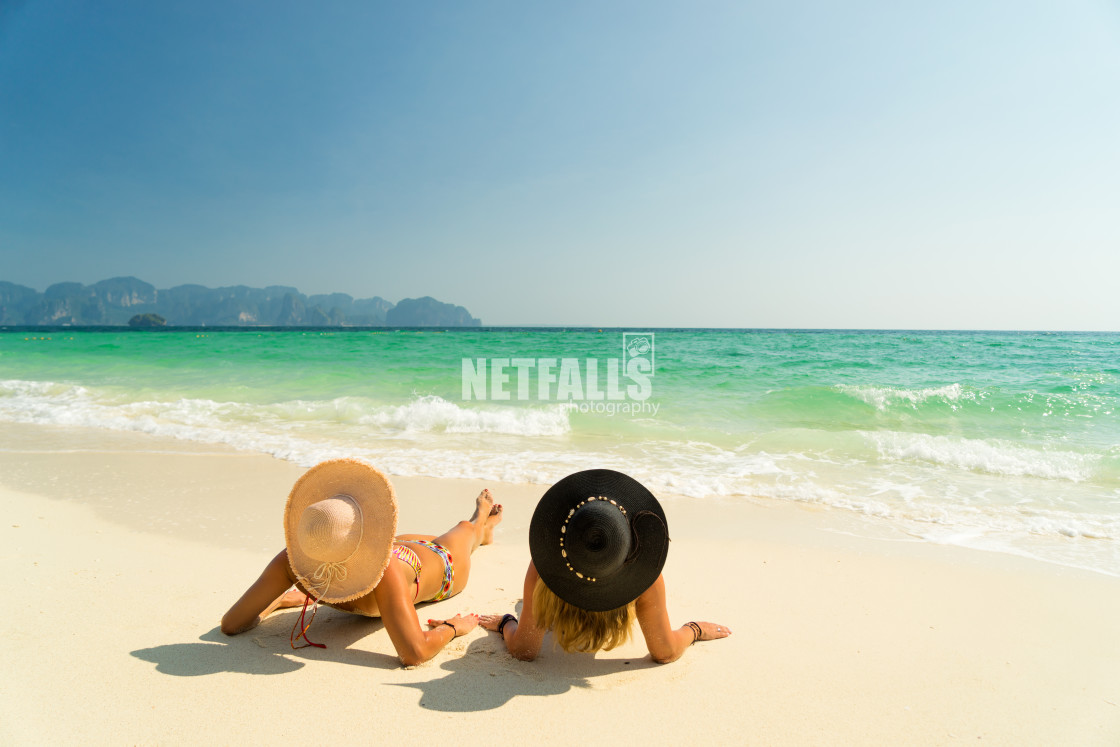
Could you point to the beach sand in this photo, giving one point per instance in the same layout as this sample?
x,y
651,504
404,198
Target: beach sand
x,y
122,552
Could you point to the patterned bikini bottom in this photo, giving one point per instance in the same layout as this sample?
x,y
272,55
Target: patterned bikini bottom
x,y
411,559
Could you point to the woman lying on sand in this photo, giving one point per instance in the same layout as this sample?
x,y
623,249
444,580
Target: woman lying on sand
x,y
598,541
339,550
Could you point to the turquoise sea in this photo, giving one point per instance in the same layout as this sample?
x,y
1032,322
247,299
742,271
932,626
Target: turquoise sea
x,y
1007,441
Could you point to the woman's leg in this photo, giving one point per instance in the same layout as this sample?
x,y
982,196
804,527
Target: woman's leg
x,y
466,536
268,593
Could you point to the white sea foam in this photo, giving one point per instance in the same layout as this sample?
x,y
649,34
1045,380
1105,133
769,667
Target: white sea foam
x,y
993,457
882,397
67,404
965,491
433,414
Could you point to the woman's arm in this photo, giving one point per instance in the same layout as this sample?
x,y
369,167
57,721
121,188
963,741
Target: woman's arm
x,y
414,645
522,637
260,598
665,643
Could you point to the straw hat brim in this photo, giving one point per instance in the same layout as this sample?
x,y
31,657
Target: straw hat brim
x,y
373,492
647,524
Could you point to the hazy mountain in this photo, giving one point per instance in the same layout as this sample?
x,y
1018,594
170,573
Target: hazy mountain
x,y
115,301
428,312
15,300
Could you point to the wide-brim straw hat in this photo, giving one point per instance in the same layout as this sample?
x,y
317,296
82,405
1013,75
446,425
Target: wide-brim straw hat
x,y
598,539
339,525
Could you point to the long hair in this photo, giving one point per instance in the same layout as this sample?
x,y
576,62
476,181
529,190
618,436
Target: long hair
x,y
578,629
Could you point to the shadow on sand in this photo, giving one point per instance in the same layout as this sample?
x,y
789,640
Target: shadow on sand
x,y
487,677
266,648
482,678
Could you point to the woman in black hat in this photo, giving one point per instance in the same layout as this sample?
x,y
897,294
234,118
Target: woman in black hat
x,y
598,541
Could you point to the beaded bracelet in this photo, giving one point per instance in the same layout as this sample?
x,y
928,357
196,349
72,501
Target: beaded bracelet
x,y
454,630
502,625
696,632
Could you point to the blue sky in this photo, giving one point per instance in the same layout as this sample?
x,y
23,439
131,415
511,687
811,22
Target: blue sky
x,y
951,165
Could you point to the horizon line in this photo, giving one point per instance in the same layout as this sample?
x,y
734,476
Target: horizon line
x,y
513,327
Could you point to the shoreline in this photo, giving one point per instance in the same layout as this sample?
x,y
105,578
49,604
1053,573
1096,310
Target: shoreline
x,y
931,433
839,636
42,443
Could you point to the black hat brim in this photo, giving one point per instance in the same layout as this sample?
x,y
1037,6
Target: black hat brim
x,y
648,529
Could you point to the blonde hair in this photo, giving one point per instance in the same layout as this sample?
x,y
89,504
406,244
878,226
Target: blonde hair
x,y
578,629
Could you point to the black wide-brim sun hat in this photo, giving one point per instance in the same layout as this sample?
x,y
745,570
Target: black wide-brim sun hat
x,y
598,539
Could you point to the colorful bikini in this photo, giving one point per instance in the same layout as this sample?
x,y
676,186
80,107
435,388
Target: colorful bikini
x,y
405,554
408,556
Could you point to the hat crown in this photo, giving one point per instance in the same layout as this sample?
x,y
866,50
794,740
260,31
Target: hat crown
x,y
597,538
329,530
615,549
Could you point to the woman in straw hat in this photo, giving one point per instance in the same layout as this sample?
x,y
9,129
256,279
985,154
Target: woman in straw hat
x,y
598,542
339,527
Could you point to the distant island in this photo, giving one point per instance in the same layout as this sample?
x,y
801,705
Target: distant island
x,y
132,302
147,320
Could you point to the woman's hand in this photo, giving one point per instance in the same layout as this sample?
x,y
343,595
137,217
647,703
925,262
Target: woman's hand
x,y
490,622
711,631
462,624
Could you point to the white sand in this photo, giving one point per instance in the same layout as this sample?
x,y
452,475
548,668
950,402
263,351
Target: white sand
x,y
122,553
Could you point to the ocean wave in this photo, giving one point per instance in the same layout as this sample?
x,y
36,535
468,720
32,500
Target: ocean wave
x,y
58,403
1014,409
434,414
932,486
979,455
883,397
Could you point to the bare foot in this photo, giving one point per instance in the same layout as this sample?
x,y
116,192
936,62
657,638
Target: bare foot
x,y
483,505
293,598
492,521
290,598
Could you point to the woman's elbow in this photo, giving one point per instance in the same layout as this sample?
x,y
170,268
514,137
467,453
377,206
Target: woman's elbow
x,y
412,654
664,657
412,657
411,660
523,655
229,626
